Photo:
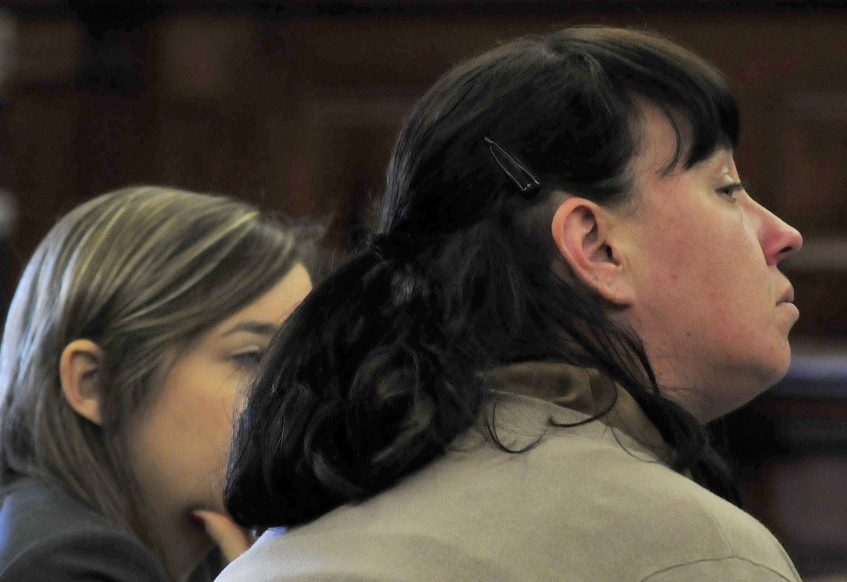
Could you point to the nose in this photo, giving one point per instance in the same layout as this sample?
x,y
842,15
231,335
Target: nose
x,y
779,239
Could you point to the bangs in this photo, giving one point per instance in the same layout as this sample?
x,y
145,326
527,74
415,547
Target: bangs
x,y
697,101
694,95
702,124
696,136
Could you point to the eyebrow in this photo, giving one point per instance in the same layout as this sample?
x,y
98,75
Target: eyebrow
x,y
254,327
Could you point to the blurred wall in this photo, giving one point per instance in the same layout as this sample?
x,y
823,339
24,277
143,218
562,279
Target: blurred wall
x,y
295,105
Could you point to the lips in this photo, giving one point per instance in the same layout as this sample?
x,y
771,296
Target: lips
x,y
787,296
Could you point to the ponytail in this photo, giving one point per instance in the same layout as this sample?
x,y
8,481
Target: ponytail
x,y
360,393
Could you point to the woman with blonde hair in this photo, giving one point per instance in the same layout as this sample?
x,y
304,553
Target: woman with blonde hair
x,y
135,322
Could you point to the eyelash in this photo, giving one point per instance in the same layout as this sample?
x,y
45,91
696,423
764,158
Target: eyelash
x,y
246,360
730,190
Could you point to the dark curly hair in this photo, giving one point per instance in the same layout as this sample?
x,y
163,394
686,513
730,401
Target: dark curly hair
x,y
377,371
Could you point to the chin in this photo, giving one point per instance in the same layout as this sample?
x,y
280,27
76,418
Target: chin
x,y
768,368
744,393
779,368
759,385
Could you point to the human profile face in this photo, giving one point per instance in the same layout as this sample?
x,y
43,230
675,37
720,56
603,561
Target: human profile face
x,y
180,441
710,303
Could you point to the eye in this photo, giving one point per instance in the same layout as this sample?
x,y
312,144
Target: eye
x,y
730,190
248,359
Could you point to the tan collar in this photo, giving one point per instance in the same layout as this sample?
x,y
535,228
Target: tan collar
x,y
583,390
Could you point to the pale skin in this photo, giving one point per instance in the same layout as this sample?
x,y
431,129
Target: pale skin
x,y
692,267
178,444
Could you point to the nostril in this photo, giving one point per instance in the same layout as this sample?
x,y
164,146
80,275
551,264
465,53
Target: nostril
x,y
792,244
784,253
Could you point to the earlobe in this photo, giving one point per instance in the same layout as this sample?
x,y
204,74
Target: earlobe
x,y
81,375
583,233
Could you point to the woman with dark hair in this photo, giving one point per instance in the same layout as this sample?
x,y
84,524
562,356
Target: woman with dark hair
x,y
511,381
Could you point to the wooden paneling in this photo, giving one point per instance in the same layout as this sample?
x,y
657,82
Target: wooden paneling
x,y
298,112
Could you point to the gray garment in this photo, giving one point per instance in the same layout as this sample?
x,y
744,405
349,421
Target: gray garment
x,y
589,503
48,535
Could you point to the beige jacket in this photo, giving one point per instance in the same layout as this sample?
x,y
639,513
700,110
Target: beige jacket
x,y
593,502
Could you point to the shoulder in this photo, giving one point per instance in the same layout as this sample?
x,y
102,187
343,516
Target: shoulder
x,y
50,535
579,502
699,536
729,569
662,520
674,529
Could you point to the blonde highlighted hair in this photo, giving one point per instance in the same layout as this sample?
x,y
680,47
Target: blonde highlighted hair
x,y
139,271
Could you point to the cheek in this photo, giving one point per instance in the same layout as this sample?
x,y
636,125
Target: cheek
x,y
203,424
180,444
741,281
673,278
703,285
193,415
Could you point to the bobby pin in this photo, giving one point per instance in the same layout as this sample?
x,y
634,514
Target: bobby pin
x,y
519,174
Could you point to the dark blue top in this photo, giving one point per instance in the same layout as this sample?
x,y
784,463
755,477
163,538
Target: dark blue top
x,y
48,535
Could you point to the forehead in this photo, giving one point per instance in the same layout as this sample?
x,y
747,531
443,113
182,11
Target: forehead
x,y
657,143
276,303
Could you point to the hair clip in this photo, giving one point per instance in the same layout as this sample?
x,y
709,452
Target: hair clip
x,y
520,175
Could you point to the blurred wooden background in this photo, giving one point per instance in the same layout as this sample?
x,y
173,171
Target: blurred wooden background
x,y
294,105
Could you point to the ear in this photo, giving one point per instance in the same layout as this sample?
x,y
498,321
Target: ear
x,y
81,374
584,234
